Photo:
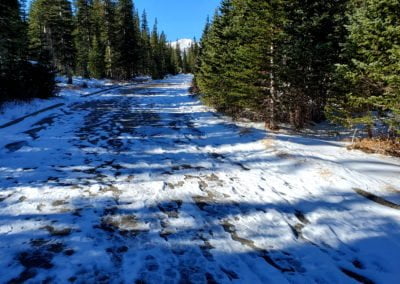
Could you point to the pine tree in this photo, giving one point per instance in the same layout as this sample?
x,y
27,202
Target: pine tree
x,y
50,34
146,62
137,69
12,34
110,39
96,64
127,40
178,55
19,79
313,31
172,61
369,82
11,46
212,77
192,54
185,63
272,58
83,35
156,72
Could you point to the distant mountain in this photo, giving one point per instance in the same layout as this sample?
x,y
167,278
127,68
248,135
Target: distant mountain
x,y
184,43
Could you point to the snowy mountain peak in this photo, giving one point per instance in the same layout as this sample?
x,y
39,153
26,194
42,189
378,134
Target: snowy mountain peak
x,y
184,43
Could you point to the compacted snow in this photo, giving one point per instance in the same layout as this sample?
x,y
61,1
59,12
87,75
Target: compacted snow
x,y
67,93
144,184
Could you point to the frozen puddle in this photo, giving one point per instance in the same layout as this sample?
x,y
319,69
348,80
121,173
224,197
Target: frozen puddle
x,y
147,185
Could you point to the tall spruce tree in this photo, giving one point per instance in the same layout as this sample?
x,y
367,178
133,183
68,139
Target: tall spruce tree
x,y
127,40
96,64
369,82
12,33
313,31
12,48
50,34
185,62
272,59
110,39
145,62
156,56
212,77
192,54
172,61
178,55
19,79
83,35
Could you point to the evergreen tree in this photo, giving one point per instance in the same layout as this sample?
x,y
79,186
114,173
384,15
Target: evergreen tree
x,y
192,54
369,82
146,62
11,44
50,34
96,64
83,36
110,39
313,31
138,44
172,61
185,63
19,79
12,34
156,71
272,58
178,55
127,40
211,77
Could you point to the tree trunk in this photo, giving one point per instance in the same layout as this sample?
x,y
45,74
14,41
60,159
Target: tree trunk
x,y
369,131
272,123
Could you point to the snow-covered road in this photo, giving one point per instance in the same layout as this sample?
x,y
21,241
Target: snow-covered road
x,y
147,185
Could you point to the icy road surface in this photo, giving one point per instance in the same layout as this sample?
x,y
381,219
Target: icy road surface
x,y
147,185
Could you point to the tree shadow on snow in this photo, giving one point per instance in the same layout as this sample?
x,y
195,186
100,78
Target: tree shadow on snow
x,y
200,234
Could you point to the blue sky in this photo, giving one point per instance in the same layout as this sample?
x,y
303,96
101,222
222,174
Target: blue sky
x,y
178,18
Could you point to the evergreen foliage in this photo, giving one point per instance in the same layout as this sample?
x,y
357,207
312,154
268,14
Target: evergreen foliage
x,y
271,59
109,39
83,35
92,38
19,79
96,64
146,62
298,61
50,34
369,79
313,31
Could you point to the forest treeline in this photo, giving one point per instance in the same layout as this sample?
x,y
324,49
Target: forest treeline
x,y
88,38
299,61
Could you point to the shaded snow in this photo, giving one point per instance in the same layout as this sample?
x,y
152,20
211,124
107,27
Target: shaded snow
x,y
147,184
13,110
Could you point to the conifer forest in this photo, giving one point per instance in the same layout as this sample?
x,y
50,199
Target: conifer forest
x,y
200,141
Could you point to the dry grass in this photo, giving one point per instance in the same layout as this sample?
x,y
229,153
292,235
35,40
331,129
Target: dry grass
x,y
392,189
326,173
389,147
268,142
